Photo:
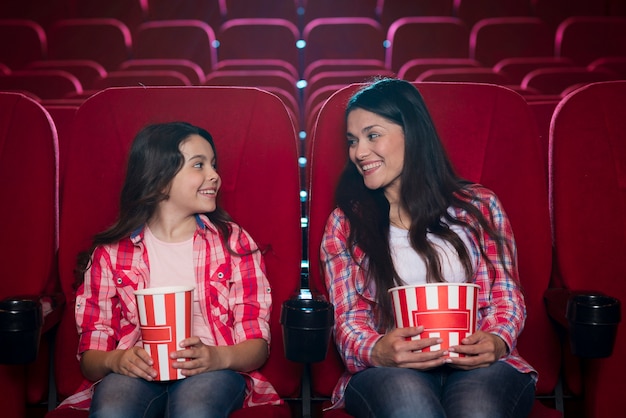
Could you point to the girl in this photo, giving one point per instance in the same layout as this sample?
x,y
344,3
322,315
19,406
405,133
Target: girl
x,y
404,217
170,231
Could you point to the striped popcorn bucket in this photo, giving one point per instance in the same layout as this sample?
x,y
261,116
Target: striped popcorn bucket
x,y
165,320
446,310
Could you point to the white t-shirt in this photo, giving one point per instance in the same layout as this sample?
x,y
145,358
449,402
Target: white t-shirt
x,y
171,264
411,267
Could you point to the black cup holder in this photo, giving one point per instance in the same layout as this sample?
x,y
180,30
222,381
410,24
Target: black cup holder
x,y
593,319
21,319
307,326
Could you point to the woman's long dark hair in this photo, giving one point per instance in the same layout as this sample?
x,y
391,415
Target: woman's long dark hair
x,y
429,186
154,159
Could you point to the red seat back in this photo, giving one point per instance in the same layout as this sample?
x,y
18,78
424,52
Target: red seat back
x,y
491,137
588,172
412,37
257,150
28,221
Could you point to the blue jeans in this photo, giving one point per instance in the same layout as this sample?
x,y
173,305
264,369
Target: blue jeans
x,y
210,394
390,392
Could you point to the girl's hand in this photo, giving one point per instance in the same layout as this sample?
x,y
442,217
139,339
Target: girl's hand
x,y
133,362
394,350
481,349
199,357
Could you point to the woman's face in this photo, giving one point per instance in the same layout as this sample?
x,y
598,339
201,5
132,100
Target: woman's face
x,y
194,188
376,147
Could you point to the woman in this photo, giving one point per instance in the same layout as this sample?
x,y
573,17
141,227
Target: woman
x,y
404,217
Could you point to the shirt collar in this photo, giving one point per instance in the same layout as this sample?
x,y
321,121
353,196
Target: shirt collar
x,y
203,222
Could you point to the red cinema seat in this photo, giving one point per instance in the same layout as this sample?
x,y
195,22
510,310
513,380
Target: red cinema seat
x,y
315,9
392,10
21,41
465,74
555,11
471,11
413,68
494,39
29,238
586,38
252,39
426,37
189,39
104,40
130,12
491,137
208,11
86,71
516,68
343,38
131,78
588,174
189,69
256,143
556,80
278,9
44,84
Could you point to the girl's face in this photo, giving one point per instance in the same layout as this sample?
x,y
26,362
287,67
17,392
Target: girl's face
x,y
194,188
376,147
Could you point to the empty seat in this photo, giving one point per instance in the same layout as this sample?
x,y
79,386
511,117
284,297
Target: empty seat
x,y
342,77
412,69
21,41
323,65
516,68
426,37
258,38
130,12
189,39
491,137
494,39
106,41
315,9
471,11
255,141
343,38
44,84
586,38
391,10
208,11
554,12
556,80
86,71
275,81
189,69
29,225
280,9
615,64
465,74
588,173
127,78
44,12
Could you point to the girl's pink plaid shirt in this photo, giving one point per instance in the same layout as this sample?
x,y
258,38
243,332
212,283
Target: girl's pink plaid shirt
x,y
502,310
236,292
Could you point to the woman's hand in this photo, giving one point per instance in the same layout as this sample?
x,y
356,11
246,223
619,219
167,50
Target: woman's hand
x,y
481,349
199,358
395,349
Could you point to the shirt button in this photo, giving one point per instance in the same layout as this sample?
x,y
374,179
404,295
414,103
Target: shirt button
x,y
220,275
119,280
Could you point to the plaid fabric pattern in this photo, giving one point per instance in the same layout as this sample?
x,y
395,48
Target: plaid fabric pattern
x,y
501,306
235,289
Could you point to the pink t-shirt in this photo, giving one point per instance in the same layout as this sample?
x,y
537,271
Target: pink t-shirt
x,y
171,264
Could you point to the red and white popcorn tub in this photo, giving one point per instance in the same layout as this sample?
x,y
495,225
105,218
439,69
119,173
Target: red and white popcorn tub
x,y
165,315
446,310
